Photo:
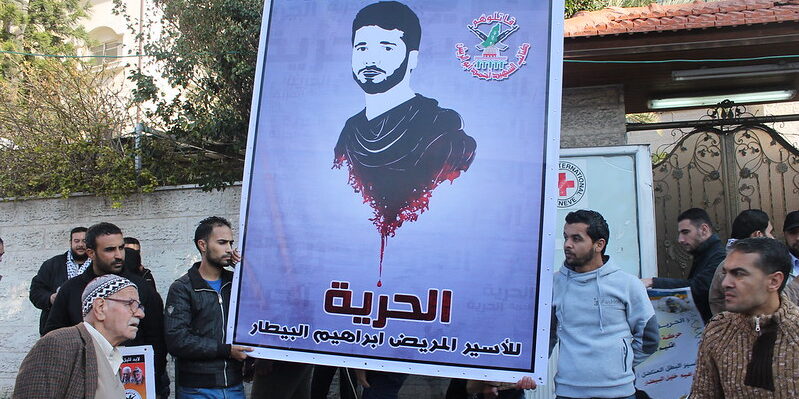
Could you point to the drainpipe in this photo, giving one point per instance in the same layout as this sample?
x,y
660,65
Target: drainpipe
x,y
137,145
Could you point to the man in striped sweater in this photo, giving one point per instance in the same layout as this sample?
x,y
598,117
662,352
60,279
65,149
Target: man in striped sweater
x,y
750,350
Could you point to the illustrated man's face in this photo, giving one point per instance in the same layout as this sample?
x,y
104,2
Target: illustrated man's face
x,y
77,243
109,255
792,241
121,320
218,249
379,58
578,248
691,236
746,287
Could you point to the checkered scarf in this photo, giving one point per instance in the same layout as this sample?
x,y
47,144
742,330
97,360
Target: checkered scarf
x,y
73,269
103,287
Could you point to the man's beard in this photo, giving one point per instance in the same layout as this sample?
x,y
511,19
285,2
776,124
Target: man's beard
x,y
794,251
219,263
579,261
387,84
109,268
79,258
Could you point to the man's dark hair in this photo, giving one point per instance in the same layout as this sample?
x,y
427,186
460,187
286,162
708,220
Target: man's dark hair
x,y
1,241
79,229
697,216
206,227
131,240
597,226
100,229
773,255
748,222
390,15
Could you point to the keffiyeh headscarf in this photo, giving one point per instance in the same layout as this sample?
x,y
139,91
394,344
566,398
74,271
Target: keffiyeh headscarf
x,y
103,287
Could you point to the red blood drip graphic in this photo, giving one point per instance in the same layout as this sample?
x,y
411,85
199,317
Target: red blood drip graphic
x,y
397,159
388,219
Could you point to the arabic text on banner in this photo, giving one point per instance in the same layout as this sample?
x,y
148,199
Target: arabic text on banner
x,y
668,373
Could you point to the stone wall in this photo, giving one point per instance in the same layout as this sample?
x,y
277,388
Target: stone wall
x,y
593,117
35,230
164,221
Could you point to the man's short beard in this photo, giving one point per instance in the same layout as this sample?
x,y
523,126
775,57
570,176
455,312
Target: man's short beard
x,y
794,251
218,264
579,262
391,80
79,258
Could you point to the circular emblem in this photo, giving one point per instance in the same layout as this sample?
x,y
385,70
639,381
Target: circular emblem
x,y
490,34
571,184
132,394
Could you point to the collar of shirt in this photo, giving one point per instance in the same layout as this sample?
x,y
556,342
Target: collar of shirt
x,y
111,353
795,264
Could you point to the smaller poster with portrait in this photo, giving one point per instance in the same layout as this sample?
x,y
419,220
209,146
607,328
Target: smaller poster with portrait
x,y
136,372
669,372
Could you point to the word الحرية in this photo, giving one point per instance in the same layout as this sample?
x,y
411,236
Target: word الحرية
x,y
338,301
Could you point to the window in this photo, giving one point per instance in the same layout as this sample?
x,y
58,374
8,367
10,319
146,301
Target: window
x,y
105,51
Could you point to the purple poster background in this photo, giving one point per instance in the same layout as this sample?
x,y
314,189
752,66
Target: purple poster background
x,y
307,289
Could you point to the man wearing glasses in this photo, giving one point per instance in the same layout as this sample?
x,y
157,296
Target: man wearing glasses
x,y
106,249
83,360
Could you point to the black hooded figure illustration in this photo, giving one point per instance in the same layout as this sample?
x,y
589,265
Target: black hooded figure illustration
x,y
402,145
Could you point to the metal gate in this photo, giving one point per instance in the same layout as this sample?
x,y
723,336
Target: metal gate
x,y
726,162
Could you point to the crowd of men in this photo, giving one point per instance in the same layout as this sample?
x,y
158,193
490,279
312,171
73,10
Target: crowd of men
x,y
98,296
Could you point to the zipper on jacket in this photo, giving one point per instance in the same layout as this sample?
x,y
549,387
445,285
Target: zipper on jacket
x,y
222,310
757,324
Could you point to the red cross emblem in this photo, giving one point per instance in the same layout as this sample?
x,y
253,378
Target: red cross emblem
x,y
563,184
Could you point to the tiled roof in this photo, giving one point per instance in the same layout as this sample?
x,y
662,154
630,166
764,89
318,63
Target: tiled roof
x,y
696,15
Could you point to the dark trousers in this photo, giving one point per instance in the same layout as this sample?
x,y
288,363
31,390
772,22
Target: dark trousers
x,y
566,397
457,390
323,376
383,385
285,381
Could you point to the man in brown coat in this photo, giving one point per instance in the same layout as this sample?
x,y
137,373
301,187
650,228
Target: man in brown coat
x,y
82,361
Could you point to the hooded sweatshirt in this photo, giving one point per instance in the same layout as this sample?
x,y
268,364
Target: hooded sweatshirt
x,y
606,325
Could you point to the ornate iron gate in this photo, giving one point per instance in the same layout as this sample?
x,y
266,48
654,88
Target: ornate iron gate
x,y
726,162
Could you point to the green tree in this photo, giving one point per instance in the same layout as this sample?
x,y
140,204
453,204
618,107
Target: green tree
x,y
574,6
61,134
39,26
206,51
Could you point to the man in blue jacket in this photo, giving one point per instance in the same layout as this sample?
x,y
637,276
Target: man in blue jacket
x,y
603,317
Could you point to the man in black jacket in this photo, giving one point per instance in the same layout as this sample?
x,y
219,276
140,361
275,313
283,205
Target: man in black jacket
x,y
105,247
55,271
697,237
196,319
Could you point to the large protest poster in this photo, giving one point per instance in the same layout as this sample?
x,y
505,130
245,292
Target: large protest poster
x,y
668,373
136,372
399,196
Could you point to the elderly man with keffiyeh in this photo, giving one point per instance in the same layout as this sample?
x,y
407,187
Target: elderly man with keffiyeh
x,y
82,361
